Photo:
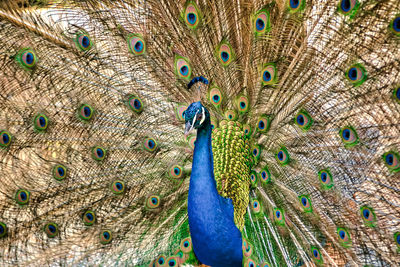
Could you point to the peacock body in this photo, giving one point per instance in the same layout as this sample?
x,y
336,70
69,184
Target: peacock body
x,y
296,157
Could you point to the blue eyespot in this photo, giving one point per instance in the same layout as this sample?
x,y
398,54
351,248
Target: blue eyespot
x,y
396,24
280,155
342,234
261,125
315,253
346,5
304,201
294,3
300,119
255,151
191,17
138,46
85,42
224,56
278,214
353,74
346,134
267,76
3,229
324,176
184,70
260,25
105,237
366,213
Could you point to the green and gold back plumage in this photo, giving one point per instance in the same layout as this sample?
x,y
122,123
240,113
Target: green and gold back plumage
x,y
304,98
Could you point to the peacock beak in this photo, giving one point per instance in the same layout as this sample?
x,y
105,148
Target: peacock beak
x,y
188,128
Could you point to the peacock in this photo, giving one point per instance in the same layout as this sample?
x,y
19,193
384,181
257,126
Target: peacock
x,y
200,133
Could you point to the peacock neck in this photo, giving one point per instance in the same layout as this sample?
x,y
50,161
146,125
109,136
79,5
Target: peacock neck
x,y
202,177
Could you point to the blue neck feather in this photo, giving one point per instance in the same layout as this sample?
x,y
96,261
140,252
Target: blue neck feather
x,y
216,239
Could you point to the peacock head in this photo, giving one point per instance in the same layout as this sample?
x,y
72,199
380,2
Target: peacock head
x,y
195,117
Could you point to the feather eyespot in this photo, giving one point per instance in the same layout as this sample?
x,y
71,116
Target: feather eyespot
x,y
316,255
230,115
397,239
256,151
51,229
182,68
269,74
215,96
348,7
150,144
253,179
41,122
344,237
3,229
282,156
263,124
303,120
242,104
160,261
175,172
247,130
27,58
325,177
135,103
153,202
105,237
392,161
265,264
186,245
89,218
349,136
180,111
265,175
396,94
118,187
192,15
368,216
395,25
356,74
136,44
171,261
279,216
83,42
251,263
296,5
305,203
98,153
261,22
59,172
247,248
22,196
192,140
85,112
5,139
256,206
225,53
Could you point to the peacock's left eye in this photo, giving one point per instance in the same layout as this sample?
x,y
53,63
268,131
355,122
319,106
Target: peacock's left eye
x,y
137,45
3,229
83,41
51,229
395,25
349,136
105,237
356,74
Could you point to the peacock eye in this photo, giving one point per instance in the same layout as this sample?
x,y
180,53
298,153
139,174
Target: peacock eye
x,y
3,229
192,15
349,136
395,25
261,22
51,229
348,7
137,45
225,53
27,58
105,237
356,74
83,41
